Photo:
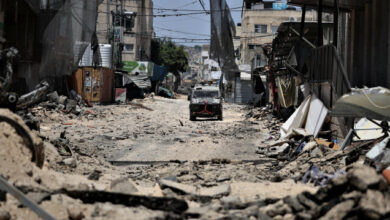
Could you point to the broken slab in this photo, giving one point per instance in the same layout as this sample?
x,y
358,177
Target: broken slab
x,y
248,191
316,116
297,119
178,187
215,192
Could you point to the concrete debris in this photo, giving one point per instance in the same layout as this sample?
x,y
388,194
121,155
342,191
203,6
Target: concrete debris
x,y
123,186
338,200
215,192
97,165
4,215
70,162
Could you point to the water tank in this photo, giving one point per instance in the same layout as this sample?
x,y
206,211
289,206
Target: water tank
x,y
106,53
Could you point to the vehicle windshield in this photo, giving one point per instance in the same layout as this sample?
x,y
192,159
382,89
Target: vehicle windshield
x,y
205,94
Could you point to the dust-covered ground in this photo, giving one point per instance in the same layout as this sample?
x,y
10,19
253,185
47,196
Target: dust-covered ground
x,y
161,131
147,160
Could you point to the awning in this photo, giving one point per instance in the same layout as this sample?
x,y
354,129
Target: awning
x,y
142,81
343,4
372,103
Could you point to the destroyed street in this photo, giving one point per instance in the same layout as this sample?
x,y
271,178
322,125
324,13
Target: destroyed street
x,y
182,109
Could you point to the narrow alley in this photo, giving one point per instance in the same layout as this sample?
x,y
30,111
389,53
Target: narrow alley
x,y
194,109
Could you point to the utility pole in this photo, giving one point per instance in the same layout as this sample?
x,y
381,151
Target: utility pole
x,y
108,21
117,34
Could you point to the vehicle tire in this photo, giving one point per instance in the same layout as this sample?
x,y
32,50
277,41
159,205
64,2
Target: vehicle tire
x,y
220,117
192,118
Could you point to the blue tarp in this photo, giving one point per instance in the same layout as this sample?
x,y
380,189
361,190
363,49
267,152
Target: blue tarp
x,y
159,73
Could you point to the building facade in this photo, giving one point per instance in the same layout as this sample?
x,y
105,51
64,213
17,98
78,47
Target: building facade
x,y
134,31
260,22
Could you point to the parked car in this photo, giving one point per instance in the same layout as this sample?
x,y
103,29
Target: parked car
x,y
205,101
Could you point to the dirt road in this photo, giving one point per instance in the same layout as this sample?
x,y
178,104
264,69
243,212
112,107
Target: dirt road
x,y
147,160
162,131
150,148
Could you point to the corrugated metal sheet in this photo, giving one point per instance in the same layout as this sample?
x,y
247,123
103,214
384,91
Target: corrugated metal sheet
x,y
142,82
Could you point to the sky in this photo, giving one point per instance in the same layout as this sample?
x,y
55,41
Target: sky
x,y
196,26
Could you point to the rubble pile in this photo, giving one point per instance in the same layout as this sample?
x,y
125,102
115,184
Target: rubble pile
x,y
269,121
360,194
64,196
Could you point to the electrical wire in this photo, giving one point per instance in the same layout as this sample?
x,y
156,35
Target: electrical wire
x,y
182,32
178,9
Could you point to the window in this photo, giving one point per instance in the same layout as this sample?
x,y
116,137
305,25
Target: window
x,y
274,28
260,28
253,46
258,6
268,5
128,47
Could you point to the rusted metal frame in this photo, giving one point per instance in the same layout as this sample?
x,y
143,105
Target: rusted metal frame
x,y
292,68
273,85
334,74
341,66
303,38
4,185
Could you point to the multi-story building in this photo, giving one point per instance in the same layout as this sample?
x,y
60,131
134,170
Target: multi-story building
x,y
134,30
260,21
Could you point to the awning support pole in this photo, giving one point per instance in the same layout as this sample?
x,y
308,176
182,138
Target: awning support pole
x,y
320,36
336,23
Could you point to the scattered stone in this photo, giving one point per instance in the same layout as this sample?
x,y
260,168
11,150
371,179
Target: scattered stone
x,y
277,150
363,177
37,197
354,195
231,202
278,208
123,185
62,99
293,203
4,215
339,211
95,175
75,213
215,192
306,201
373,204
223,177
70,162
317,152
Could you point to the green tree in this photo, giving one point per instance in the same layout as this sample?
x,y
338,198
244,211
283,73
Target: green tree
x,y
167,53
